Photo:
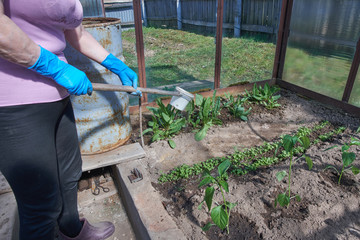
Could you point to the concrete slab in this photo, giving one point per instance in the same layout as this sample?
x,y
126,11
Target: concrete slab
x,y
121,154
107,206
149,218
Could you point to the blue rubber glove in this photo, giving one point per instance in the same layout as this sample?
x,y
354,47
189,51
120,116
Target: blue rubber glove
x,y
74,80
127,76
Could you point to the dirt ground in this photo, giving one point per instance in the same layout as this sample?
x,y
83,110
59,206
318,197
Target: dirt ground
x,y
327,210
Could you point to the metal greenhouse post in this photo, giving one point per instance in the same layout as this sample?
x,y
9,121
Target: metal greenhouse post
x,y
140,46
103,8
283,34
352,74
219,27
237,20
178,10
143,9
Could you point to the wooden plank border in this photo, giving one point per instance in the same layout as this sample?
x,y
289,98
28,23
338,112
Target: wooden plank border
x,y
320,98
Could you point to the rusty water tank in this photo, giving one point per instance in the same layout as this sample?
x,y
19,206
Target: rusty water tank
x,y
102,119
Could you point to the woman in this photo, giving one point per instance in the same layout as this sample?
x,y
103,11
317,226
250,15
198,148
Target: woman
x,y
39,153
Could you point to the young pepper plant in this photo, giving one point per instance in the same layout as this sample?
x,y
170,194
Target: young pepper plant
x,y
289,142
220,215
347,159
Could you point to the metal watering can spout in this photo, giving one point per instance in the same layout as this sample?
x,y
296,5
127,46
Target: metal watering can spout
x,y
179,100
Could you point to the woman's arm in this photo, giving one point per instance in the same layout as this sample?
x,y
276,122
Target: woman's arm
x,y
85,43
15,45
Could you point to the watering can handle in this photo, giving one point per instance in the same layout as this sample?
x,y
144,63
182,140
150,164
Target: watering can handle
x,y
121,88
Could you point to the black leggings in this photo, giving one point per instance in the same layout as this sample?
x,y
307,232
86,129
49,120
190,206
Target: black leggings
x,y
40,158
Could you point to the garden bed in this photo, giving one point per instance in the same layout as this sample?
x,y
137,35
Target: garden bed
x,y
327,210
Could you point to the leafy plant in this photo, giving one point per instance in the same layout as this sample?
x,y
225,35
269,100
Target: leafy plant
x,y
235,106
220,214
288,143
203,113
347,159
264,95
165,123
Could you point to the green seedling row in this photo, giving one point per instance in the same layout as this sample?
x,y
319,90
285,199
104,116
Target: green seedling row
x,y
249,159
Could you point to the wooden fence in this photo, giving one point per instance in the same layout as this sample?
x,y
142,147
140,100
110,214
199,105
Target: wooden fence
x,y
239,15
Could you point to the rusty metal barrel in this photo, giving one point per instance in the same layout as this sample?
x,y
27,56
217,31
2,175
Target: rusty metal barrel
x,y
102,119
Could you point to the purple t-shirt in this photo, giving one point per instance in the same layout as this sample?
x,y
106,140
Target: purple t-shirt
x,y
44,21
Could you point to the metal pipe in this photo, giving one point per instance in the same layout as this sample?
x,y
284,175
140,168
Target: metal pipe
x,y
103,8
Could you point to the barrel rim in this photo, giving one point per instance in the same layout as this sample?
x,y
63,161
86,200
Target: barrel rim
x,y
109,21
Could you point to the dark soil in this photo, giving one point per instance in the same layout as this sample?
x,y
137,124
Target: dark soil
x,y
241,227
327,210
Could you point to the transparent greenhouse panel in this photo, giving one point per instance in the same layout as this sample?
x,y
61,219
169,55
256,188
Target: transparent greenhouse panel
x,y
323,36
355,94
179,44
249,40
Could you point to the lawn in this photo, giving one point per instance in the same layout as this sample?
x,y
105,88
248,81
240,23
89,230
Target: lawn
x,y
174,56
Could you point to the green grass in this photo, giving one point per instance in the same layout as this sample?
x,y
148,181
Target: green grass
x,y
322,74
174,56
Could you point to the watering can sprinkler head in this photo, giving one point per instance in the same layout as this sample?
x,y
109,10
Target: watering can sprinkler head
x,y
181,100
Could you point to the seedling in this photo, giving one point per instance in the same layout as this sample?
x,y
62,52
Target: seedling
x,y
288,142
347,159
165,123
220,215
